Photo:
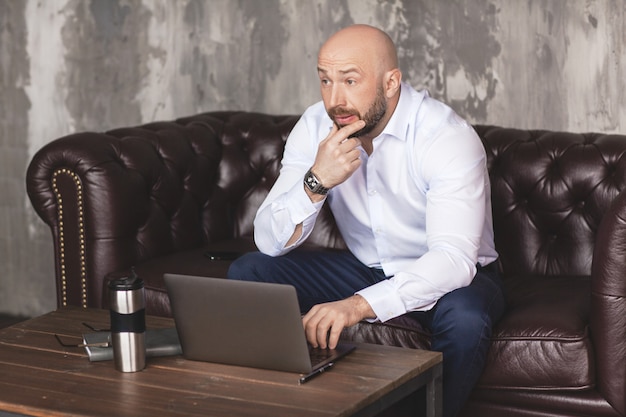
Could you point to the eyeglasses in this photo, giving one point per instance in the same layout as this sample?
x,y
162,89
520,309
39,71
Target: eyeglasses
x,y
82,345
90,327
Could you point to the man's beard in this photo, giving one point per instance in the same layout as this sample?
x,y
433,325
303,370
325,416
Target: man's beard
x,y
373,116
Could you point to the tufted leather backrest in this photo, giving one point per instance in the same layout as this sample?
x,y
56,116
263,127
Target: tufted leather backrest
x,y
550,191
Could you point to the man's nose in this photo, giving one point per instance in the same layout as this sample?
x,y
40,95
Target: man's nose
x,y
337,96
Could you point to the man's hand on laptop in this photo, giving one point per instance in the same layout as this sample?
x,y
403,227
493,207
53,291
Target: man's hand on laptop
x,y
324,322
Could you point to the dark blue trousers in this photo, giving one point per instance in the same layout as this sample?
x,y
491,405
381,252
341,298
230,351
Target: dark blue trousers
x,y
460,322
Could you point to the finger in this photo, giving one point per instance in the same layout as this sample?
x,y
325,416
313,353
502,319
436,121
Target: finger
x,y
333,336
333,130
310,326
350,147
346,131
322,334
350,160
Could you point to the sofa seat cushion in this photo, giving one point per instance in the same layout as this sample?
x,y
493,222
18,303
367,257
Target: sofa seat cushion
x,y
542,342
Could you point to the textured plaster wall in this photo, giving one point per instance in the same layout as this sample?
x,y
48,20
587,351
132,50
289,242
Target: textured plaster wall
x,y
69,65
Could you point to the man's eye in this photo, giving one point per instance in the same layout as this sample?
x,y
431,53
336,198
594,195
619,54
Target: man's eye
x,y
351,82
325,82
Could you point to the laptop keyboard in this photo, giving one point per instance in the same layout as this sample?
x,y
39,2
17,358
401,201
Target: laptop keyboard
x,y
319,355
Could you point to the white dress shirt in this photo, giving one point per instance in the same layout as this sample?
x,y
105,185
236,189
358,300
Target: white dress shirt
x,y
419,206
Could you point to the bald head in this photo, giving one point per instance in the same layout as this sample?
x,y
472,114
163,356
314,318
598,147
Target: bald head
x,y
364,43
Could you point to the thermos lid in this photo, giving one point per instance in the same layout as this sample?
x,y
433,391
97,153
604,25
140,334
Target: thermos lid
x,y
132,282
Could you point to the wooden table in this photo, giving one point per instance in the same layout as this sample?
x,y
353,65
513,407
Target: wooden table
x,y
39,377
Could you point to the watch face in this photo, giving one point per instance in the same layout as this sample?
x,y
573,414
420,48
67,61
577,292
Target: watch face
x,y
313,184
311,181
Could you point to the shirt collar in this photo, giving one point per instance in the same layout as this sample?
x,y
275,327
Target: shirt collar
x,y
408,104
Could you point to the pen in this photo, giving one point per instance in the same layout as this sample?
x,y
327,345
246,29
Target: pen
x,y
322,369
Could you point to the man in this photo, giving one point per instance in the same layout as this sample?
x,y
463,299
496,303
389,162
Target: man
x,y
407,183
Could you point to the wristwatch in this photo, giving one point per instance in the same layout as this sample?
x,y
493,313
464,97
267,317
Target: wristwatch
x,y
313,184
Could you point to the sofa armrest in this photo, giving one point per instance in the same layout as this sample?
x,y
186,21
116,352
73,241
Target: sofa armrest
x,y
608,304
115,199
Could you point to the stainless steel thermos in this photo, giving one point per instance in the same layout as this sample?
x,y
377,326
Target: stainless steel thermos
x,y
128,323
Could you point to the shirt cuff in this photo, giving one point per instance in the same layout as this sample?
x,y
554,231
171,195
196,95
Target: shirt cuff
x,y
384,300
302,207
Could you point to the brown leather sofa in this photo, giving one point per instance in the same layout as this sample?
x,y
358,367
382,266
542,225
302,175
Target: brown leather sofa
x,y
158,196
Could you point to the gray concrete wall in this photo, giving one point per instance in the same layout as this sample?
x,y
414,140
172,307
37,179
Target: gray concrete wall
x,y
70,65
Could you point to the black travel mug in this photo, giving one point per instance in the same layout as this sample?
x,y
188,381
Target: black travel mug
x,y
128,323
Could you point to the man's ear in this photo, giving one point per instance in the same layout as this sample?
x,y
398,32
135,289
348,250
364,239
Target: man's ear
x,y
393,79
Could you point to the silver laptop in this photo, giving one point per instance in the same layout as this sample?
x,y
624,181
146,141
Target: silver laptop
x,y
245,323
